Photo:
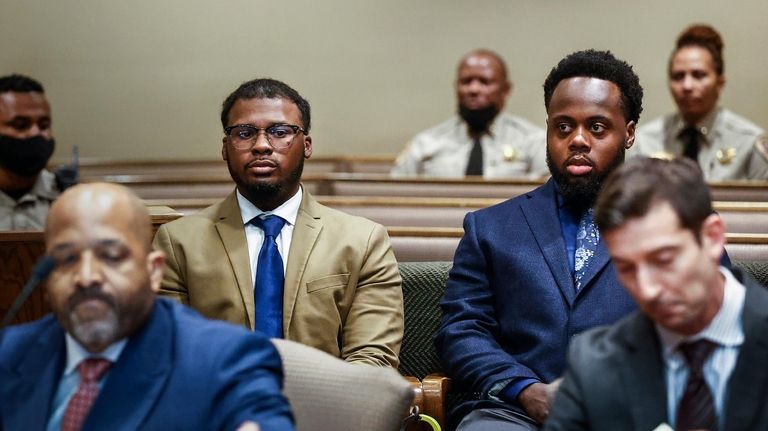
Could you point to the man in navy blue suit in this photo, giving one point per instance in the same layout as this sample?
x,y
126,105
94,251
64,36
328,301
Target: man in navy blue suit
x,y
115,357
531,273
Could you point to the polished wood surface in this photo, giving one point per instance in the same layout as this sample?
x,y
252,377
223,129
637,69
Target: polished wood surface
x,y
97,167
20,250
18,253
172,185
740,217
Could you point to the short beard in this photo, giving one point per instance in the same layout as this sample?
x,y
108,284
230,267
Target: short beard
x,y
97,332
580,193
102,331
478,120
258,191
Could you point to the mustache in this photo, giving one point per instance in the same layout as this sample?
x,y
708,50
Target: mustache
x,y
90,293
580,159
261,160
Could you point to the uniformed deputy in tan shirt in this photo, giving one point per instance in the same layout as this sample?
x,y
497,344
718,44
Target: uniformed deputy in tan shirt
x,y
26,144
730,146
512,147
725,145
481,140
31,209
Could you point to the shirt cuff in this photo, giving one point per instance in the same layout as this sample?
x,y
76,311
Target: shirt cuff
x,y
513,389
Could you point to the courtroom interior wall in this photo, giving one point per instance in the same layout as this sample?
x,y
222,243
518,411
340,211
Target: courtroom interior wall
x,y
145,79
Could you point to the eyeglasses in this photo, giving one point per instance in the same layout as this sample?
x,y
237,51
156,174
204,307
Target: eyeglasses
x,y
279,136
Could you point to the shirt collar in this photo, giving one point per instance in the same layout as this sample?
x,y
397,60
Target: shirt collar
x,y
76,353
725,328
492,131
44,187
288,211
705,126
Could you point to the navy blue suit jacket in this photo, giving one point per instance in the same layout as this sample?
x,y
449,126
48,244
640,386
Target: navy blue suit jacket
x,y
510,307
180,371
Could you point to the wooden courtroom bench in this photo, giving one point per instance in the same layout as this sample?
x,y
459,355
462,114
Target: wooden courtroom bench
x,y
158,186
100,167
349,184
19,250
170,185
341,184
740,217
412,244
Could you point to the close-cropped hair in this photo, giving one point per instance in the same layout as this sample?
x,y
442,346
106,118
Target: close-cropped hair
x,y
601,65
704,36
489,53
632,189
20,84
266,88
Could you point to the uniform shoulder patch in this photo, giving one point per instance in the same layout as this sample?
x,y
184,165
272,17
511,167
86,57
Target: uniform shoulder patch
x,y
761,145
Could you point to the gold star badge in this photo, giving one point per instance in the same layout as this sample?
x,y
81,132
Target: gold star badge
x,y
725,155
662,155
762,146
510,154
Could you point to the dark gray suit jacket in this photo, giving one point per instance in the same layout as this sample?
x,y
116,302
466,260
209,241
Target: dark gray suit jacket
x,y
616,375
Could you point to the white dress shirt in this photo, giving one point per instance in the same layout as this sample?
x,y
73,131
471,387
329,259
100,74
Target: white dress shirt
x,y
254,236
726,330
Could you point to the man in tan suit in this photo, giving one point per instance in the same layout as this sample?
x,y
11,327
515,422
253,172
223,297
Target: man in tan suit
x,y
341,290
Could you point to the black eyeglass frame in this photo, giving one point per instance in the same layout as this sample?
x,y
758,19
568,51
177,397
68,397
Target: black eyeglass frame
x,y
296,129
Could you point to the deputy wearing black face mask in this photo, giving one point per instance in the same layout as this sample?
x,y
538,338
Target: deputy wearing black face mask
x,y
26,144
481,140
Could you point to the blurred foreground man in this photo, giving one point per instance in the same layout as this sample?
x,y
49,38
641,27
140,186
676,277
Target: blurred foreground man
x,y
482,140
26,144
112,356
694,356
270,257
532,272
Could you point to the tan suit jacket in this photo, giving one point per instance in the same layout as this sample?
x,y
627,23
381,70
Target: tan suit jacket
x,y
342,289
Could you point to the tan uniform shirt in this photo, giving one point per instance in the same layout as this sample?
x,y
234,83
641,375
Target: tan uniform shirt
x,y
731,147
30,211
514,147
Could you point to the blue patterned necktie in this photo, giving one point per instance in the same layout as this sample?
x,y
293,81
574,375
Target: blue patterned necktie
x,y
587,238
268,291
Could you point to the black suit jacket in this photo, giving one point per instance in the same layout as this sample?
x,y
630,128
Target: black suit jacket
x,y
616,375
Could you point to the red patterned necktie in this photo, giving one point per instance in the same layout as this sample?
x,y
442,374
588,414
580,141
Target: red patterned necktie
x,y
80,404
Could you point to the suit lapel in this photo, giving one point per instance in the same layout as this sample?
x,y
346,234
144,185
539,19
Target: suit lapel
x,y
642,374
232,234
540,211
748,383
305,232
596,264
30,387
138,377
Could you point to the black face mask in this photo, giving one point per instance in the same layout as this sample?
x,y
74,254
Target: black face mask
x,y
25,157
478,120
